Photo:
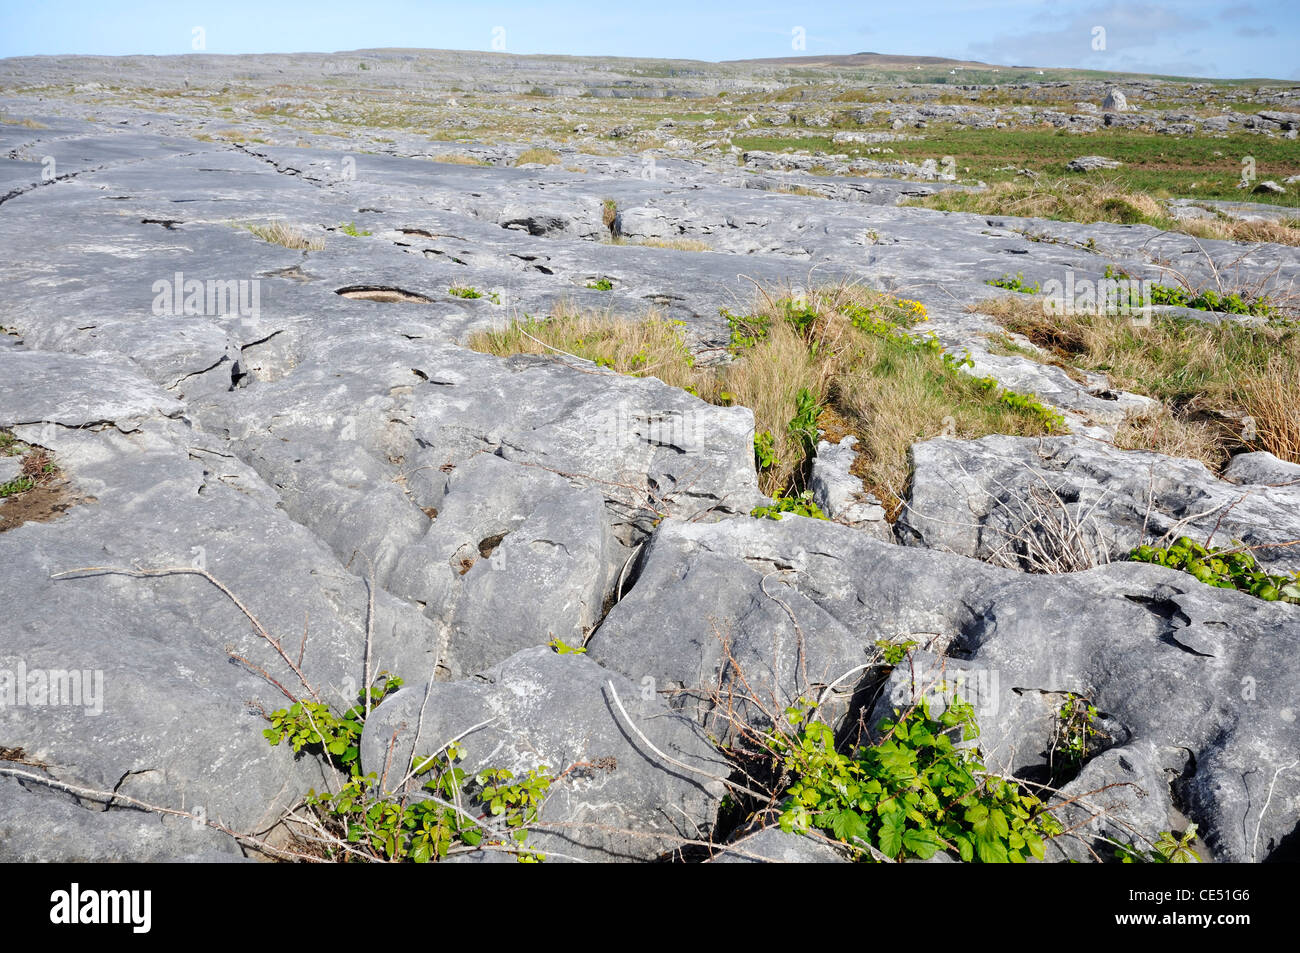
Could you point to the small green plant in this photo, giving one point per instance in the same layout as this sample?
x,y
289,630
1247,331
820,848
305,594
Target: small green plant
x,y
390,829
377,825
351,229
601,284
1169,848
464,292
1077,736
803,425
800,315
893,326
517,802
1052,421
1017,283
37,466
563,648
765,451
746,330
800,504
1222,568
15,486
885,316
1208,299
914,793
314,726
894,652
1205,299
954,363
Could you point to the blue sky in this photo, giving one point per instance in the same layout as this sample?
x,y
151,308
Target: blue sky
x,y
1188,37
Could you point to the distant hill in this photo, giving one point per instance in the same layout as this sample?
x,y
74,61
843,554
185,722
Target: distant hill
x,y
942,69
863,61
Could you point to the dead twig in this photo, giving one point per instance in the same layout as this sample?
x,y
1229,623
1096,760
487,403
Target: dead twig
x,y
192,571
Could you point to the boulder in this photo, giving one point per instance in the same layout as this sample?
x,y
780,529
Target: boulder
x,y
1115,101
1092,164
151,700
1030,502
1142,643
1262,469
772,846
517,556
615,798
41,825
839,493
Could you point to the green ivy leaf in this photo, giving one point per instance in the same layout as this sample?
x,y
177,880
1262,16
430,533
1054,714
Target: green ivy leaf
x,y
991,851
922,842
890,837
848,825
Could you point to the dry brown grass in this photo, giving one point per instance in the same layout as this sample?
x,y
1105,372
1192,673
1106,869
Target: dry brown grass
x,y
877,386
680,244
1272,400
1066,199
455,158
768,381
279,233
1098,200
897,398
801,190
1203,374
538,156
653,347
1162,430
1285,232
25,123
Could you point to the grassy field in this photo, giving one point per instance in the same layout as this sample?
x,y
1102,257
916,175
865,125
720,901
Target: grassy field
x,y
1088,199
1161,166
